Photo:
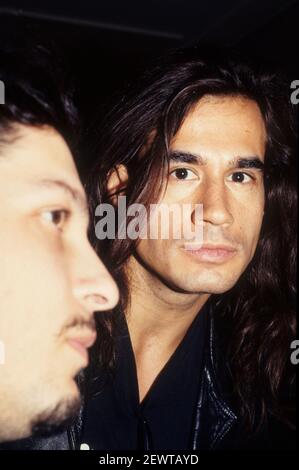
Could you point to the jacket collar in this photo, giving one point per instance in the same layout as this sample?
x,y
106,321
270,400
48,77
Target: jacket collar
x,y
213,417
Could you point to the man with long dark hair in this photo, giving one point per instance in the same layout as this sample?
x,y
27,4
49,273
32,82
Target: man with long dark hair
x,y
197,355
202,357
51,281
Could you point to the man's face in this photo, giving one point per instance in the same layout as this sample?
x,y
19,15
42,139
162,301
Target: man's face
x,y
51,282
217,160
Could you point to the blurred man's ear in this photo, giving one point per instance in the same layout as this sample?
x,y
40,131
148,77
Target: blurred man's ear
x,y
117,183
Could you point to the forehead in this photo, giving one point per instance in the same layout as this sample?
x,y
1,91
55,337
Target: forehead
x,y
222,124
36,153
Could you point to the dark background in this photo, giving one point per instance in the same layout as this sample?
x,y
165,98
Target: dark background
x,y
106,44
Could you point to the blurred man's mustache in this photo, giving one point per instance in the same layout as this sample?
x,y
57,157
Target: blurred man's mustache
x,y
80,323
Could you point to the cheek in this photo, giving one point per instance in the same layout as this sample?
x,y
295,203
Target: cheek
x,y
181,192
147,249
38,286
154,252
250,222
35,295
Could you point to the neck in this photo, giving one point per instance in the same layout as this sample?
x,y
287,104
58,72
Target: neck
x,y
157,311
158,318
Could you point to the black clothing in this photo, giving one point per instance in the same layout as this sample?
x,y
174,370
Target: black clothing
x,y
115,420
216,424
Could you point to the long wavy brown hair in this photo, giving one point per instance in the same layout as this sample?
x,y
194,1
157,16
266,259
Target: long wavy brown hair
x,y
259,312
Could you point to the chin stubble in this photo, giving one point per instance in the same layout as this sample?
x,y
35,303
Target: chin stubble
x,y
57,419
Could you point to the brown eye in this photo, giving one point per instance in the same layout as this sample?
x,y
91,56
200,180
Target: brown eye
x,y
56,217
183,174
241,177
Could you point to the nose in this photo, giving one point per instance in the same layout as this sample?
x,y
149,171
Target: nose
x,y
215,201
93,285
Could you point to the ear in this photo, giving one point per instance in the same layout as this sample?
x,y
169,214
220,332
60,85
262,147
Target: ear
x,y
117,182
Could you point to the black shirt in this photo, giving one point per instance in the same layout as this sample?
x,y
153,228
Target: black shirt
x,y
114,418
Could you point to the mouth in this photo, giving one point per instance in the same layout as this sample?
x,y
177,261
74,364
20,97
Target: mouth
x,y
81,343
210,253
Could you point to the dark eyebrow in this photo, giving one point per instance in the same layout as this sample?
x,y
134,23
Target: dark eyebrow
x,y
77,195
185,157
238,162
249,162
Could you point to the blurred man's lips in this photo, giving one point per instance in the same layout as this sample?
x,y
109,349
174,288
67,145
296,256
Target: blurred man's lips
x,y
82,343
210,253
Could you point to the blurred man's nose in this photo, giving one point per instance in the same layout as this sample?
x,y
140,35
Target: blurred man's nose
x,y
94,286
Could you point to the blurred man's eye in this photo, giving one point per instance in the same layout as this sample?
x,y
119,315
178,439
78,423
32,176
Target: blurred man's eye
x,y
57,217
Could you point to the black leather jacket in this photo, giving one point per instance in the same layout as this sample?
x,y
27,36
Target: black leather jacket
x,y
216,424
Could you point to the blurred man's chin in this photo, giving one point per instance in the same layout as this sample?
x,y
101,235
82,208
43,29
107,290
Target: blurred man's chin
x,y
56,419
